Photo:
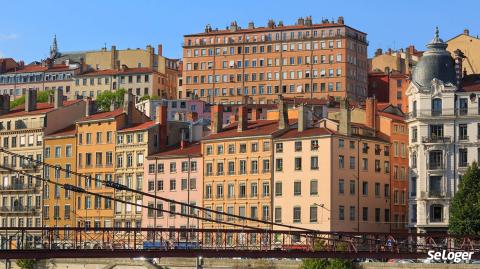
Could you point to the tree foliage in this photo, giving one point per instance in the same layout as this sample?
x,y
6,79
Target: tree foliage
x,y
26,263
105,99
327,263
42,97
465,205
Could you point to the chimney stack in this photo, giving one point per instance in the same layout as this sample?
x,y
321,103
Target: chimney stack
x,y
345,118
251,25
256,113
304,118
31,100
371,112
159,49
58,98
458,56
282,113
128,106
243,115
216,119
88,107
4,104
466,32
340,20
161,114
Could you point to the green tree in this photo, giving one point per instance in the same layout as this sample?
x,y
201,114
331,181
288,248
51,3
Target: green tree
x,y
105,99
42,97
26,263
465,206
327,263
145,97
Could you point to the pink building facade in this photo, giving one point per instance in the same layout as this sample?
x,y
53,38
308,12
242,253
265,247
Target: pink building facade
x,y
175,173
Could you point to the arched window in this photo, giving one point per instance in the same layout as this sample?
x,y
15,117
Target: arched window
x,y
436,107
436,213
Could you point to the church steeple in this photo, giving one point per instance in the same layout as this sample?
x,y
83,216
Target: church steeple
x,y
54,48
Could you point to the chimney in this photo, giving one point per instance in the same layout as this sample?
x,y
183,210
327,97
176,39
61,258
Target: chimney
x,y
161,114
243,115
251,25
31,100
159,49
113,58
308,20
466,32
282,114
340,20
4,104
256,113
216,119
88,107
345,118
128,106
304,118
271,23
300,21
458,56
58,98
378,52
371,112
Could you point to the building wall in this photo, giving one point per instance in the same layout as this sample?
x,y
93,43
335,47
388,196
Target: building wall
x,y
162,182
285,199
250,201
469,46
224,49
103,215
371,197
61,198
16,90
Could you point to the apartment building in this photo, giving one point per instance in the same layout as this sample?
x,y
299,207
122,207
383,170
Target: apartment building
x,y
141,81
40,77
401,61
443,126
176,172
22,131
302,60
60,149
238,175
112,146
332,175
178,109
389,88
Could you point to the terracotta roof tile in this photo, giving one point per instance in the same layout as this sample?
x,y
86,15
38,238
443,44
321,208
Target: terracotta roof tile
x,y
175,151
70,130
40,68
255,128
103,115
111,72
42,108
139,126
315,131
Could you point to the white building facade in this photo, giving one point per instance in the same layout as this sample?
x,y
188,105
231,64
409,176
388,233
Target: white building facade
x,y
444,128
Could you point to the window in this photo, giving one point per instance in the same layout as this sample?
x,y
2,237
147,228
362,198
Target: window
x,y
377,214
341,186
279,147
436,107
242,190
352,187
219,191
365,213
341,161
297,188
298,146
352,213
278,188
298,163
352,162
278,214
313,214
314,145
364,188
297,212
314,163
279,165
436,213
313,187
173,184
341,212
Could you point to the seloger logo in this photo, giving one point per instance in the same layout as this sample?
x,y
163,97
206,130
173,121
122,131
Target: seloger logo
x,y
455,256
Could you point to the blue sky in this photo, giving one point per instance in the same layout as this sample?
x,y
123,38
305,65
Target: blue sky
x,y
28,26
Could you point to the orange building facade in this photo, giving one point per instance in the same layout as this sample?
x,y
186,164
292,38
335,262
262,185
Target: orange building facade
x,y
302,60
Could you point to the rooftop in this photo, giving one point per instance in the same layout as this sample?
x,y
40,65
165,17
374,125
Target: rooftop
x,y
314,131
255,128
139,126
103,115
194,149
68,131
111,72
41,68
42,108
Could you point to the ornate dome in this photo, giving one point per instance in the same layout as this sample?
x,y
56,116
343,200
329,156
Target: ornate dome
x,y
436,62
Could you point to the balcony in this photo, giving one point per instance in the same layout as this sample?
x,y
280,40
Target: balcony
x,y
463,111
19,187
17,209
436,139
436,194
463,138
435,166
